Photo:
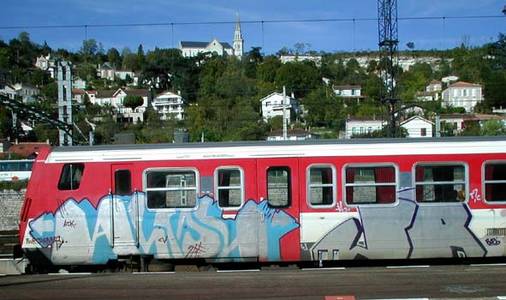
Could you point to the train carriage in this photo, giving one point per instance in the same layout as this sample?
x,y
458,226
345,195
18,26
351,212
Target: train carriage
x,y
268,202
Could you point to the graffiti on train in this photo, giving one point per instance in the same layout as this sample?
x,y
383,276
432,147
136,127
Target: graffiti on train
x,y
121,225
406,230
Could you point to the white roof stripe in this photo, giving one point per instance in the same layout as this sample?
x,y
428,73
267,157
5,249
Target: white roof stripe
x,y
299,150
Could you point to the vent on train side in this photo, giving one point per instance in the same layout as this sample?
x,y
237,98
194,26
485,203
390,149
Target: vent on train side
x,y
496,231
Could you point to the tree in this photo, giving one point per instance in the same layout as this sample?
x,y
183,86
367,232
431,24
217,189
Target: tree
x,y
89,49
114,57
132,101
299,78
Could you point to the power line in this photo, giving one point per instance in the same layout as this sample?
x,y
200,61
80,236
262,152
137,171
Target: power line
x,y
262,22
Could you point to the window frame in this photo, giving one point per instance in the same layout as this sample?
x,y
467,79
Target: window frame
x,y
116,182
289,171
217,187
370,165
59,185
309,186
439,164
484,181
182,169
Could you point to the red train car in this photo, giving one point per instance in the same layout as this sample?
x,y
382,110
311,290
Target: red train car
x,y
277,202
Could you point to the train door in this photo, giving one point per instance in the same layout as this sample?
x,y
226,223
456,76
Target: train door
x,y
124,206
278,184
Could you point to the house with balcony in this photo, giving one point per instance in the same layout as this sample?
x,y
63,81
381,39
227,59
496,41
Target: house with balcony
x,y
169,105
462,94
272,106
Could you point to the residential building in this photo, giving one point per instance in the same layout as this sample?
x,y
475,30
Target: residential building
x,y
46,63
417,127
8,91
169,105
292,135
434,86
358,126
115,99
25,93
317,59
348,91
78,95
462,94
272,106
192,48
106,71
458,122
78,83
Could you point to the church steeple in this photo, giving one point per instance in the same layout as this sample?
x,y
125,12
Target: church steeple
x,y
238,40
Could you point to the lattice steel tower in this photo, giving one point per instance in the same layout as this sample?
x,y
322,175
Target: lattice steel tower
x,y
388,41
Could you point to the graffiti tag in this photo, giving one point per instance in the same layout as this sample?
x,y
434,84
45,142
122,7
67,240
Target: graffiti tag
x,y
195,250
493,242
57,241
69,223
475,196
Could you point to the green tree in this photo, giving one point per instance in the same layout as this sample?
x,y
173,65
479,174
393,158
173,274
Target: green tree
x,y
114,58
299,78
132,101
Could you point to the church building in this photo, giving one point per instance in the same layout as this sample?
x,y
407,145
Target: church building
x,y
191,48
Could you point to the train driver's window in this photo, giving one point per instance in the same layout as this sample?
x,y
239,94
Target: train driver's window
x,y
370,184
278,186
440,183
122,182
229,187
171,188
70,177
495,181
321,185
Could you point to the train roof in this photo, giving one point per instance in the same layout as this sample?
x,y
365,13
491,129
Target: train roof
x,y
263,149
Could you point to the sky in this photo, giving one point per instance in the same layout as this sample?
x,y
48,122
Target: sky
x,y
318,36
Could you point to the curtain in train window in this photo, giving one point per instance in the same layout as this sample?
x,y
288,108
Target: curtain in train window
x,y
278,186
370,185
321,185
171,188
70,177
495,182
229,187
440,183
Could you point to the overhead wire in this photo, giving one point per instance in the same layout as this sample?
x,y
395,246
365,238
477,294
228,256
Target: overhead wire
x,y
262,22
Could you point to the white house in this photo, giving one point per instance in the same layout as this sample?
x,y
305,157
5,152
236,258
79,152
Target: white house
x,y
272,106
348,91
24,92
169,105
191,48
78,95
458,122
462,94
46,63
9,91
292,135
417,127
106,71
356,127
115,99
317,59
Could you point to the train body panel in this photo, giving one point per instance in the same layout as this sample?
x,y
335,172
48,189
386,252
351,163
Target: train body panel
x,y
276,203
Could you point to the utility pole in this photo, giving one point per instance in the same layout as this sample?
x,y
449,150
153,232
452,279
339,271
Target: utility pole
x,y
388,41
285,133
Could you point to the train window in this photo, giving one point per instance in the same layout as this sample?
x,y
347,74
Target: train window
x,y
70,177
229,187
122,182
495,182
171,188
321,184
278,186
440,183
370,184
